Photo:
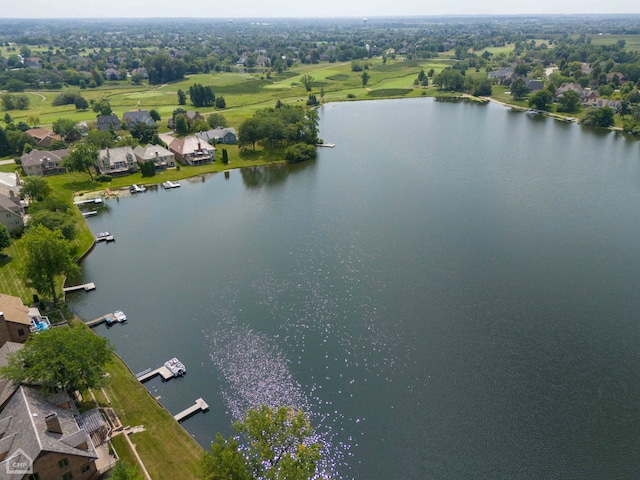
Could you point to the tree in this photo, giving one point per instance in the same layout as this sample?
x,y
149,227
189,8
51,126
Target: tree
x,y
54,221
449,79
67,129
249,132
225,156
81,159
5,147
365,78
181,124
276,444
155,115
202,96
143,131
540,100
569,101
221,103
217,120
101,139
182,97
598,117
36,188
519,89
81,103
65,359
5,239
306,81
47,255
300,152
125,471
102,107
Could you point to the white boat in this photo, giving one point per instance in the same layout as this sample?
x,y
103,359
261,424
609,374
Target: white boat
x,y
120,316
169,184
137,188
176,367
102,236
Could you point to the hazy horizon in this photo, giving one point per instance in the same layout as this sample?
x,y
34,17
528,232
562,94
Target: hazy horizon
x,y
66,9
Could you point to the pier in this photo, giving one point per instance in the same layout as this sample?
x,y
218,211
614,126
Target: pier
x,y
163,371
108,318
200,405
86,287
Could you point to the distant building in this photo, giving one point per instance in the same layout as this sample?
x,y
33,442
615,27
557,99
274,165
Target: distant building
x,y
108,122
219,135
43,137
137,116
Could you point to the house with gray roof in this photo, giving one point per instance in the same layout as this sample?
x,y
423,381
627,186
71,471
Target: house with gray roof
x,y
11,212
137,116
219,135
42,163
39,436
116,161
108,122
161,157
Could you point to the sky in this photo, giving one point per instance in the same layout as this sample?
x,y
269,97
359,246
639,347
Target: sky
x,y
299,8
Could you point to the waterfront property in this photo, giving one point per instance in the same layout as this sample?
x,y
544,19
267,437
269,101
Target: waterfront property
x,y
11,212
161,157
43,137
192,151
17,320
42,163
219,135
116,161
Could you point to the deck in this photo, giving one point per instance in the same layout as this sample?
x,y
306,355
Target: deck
x,y
200,405
145,375
108,318
86,287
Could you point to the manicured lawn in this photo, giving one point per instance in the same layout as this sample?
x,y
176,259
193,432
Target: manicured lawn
x,y
165,448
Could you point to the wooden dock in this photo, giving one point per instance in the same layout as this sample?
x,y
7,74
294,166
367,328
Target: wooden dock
x,y
109,318
163,371
200,405
86,287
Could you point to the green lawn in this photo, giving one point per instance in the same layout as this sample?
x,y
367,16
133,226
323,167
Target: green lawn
x,y
165,448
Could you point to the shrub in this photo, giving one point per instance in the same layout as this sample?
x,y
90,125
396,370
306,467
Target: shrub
x,y
104,178
299,152
351,95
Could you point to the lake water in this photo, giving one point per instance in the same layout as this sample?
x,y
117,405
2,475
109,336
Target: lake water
x,y
452,292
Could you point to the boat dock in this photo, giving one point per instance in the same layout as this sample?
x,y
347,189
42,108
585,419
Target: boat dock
x,y
200,405
92,213
86,287
91,200
163,371
109,319
327,145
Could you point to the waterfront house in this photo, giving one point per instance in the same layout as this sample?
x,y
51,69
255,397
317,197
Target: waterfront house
x,y
116,161
17,321
40,433
11,212
219,135
161,157
192,151
41,163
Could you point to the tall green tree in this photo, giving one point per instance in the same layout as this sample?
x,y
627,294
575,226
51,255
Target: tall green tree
x,y
82,158
67,129
5,146
365,78
102,107
249,132
307,81
275,444
541,99
182,97
569,102
217,120
125,471
5,239
519,89
67,358
47,255
36,188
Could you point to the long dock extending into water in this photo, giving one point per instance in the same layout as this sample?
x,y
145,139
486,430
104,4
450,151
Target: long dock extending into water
x,y
163,371
86,287
200,405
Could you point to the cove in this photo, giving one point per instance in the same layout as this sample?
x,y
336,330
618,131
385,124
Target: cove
x,y
451,291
